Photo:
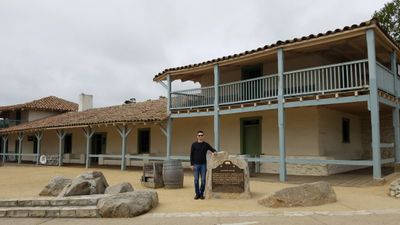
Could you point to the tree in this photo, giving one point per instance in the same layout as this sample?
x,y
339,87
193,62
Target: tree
x,y
389,19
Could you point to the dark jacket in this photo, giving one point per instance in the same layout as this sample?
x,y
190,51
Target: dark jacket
x,y
198,152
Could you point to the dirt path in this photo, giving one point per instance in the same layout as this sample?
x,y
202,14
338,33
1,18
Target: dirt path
x,y
27,181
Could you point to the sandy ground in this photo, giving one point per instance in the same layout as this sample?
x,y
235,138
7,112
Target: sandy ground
x,y
27,181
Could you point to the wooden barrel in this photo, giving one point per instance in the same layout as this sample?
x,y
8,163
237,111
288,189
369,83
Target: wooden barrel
x,y
173,174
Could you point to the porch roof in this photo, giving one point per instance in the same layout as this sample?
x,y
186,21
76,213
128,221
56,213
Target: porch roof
x,y
50,103
147,111
267,49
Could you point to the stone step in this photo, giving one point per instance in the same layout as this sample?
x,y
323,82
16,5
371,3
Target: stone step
x,y
88,200
50,212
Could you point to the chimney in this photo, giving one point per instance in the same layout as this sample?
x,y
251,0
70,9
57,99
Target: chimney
x,y
85,102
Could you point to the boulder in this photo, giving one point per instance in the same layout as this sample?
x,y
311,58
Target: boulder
x,y
394,189
119,188
88,183
55,186
303,195
127,204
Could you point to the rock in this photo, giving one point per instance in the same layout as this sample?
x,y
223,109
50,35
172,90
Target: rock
x,y
88,183
394,189
119,188
303,195
55,186
127,204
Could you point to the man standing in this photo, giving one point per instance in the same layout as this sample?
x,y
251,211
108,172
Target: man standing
x,y
198,162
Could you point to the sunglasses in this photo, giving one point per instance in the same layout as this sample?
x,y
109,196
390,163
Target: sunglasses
x,y
200,135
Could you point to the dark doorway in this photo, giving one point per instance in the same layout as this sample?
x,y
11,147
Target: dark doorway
x,y
68,144
251,136
144,140
248,90
252,71
98,145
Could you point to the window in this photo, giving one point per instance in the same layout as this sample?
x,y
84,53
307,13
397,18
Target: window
x,y
345,130
253,71
68,144
18,117
144,140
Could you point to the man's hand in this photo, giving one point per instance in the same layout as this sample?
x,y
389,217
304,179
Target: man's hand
x,y
214,153
192,167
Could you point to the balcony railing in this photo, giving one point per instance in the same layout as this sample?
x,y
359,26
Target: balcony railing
x,y
196,97
385,78
317,80
249,90
337,77
4,122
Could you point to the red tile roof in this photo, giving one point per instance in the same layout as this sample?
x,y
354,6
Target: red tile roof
x,y
277,44
147,111
50,103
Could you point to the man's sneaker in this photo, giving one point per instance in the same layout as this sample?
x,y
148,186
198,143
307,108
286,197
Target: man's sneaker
x,y
202,197
196,197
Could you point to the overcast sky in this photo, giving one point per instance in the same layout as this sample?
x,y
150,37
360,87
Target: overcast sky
x,y
112,49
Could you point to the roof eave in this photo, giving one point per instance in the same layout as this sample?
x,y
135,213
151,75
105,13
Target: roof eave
x,y
345,33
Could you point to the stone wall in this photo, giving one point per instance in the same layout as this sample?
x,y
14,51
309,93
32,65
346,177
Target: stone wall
x,y
307,169
387,134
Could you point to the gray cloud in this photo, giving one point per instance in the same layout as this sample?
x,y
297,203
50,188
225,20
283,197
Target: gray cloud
x,y
112,49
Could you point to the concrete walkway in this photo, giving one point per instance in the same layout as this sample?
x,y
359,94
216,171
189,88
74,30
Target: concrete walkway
x,y
381,217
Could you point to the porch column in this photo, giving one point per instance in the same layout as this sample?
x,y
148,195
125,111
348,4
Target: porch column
x,y
169,120
20,139
281,118
123,131
5,139
373,104
216,109
39,136
88,133
395,110
169,137
61,135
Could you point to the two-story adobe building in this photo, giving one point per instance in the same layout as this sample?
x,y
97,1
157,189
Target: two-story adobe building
x,y
320,104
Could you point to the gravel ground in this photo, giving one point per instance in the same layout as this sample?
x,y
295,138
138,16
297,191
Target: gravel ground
x,y
27,181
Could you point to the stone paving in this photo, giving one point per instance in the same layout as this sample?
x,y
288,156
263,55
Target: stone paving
x,y
79,207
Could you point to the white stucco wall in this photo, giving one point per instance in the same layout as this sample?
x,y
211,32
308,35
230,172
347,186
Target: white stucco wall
x,y
330,134
35,115
301,132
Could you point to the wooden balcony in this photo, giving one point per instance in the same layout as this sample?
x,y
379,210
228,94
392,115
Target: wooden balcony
x,y
5,122
335,78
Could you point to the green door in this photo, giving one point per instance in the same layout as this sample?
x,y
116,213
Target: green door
x,y
251,137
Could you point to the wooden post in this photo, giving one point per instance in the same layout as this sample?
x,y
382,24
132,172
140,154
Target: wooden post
x,y
216,109
5,139
88,133
61,135
395,110
281,118
169,120
123,131
373,104
20,139
39,136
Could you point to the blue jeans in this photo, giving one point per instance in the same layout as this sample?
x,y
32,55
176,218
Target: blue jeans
x,y
199,170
